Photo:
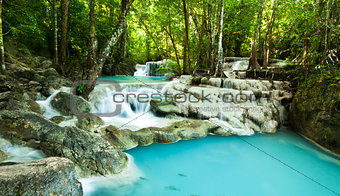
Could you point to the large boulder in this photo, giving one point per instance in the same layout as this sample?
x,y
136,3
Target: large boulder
x,y
51,176
62,103
91,153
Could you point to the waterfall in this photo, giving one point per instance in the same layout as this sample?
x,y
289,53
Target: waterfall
x,y
135,113
152,68
141,70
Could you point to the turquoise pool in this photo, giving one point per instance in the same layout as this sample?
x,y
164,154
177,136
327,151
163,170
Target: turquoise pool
x,y
280,164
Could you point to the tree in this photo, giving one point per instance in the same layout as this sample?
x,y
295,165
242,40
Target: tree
x,y
55,34
63,39
2,50
220,45
186,47
93,69
253,57
267,38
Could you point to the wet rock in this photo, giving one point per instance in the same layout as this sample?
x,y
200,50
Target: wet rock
x,y
51,176
62,103
58,119
91,153
88,123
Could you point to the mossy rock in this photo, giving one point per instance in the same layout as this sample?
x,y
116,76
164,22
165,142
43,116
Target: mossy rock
x,y
58,119
3,156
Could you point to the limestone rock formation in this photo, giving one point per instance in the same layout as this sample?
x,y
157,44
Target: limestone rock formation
x,y
51,176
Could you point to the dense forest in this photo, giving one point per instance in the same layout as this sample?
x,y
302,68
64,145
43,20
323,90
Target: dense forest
x,y
77,32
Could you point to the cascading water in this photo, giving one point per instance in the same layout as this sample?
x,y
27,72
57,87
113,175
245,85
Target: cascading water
x,y
135,107
20,154
141,70
152,68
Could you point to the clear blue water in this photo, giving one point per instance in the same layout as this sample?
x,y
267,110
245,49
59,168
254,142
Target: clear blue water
x,y
233,165
134,79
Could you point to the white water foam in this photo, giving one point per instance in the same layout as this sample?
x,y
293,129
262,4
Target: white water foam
x,y
124,181
20,154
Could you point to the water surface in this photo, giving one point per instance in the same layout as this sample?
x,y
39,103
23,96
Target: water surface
x,y
280,164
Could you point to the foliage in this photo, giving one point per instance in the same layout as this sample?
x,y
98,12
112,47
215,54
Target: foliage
x,y
305,32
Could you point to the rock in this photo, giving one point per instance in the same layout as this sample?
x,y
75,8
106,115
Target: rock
x,y
58,119
49,72
270,126
181,130
88,123
51,176
215,82
10,95
46,64
315,113
3,156
186,79
35,107
62,103
164,107
91,153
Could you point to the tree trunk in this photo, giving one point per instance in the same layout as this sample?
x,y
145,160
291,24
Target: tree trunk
x,y
2,49
220,45
212,40
267,38
327,31
173,41
63,38
186,39
92,65
93,69
55,31
115,35
175,49
253,57
200,45
123,46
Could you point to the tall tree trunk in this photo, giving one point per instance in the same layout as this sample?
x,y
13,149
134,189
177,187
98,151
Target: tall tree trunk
x,y
93,70
2,49
123,36
220,45
175,49
212,39
123,46
186,39
63,38
267,38
115,35
55,32
253,58
92,65
200,44
172,40
327,31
